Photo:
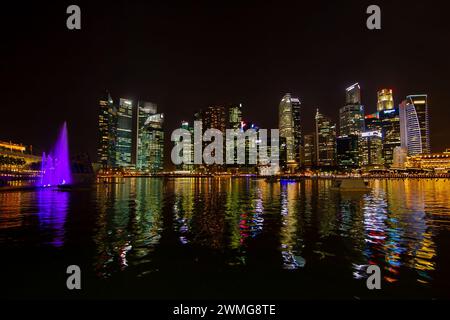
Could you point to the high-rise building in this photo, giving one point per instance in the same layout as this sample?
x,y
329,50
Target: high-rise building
x,y
390,130
371,147
347,152
150,156
214,118
290,128
235,116
351,116
124,147
414,124
372,122
351,120
107,126
149,138
309,150
188,155
385,100
325,141
353,94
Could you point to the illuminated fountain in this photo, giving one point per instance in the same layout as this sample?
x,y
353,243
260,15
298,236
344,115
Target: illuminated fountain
x,y
56,165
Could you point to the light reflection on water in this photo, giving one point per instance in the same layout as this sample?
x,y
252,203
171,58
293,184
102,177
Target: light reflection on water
x,y
146,225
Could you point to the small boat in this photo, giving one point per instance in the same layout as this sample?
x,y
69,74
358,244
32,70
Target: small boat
x,y
353,185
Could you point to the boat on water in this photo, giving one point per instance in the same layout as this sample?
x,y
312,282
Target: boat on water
x,y
352,185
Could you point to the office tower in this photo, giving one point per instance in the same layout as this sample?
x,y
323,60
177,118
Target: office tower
x,y
347,151
385,100
214,118
107,126
309,150
351,116
290,128
149,138
235,116
251,149
371,149
372,122
188,155
351,120
415,124
353,94
390,130
325,141
124,146
150,155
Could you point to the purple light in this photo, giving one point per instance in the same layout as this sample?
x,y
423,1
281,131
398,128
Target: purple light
x,y
56,165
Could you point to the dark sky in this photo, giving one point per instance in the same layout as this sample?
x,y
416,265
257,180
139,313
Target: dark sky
x,y
189,56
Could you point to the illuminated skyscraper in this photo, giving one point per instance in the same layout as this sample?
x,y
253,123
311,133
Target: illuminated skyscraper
x,y
390,129
235,116
150,155
351,116
371,149
385,100
309,150
124,146
372,122
150,138
290,128
214,118
107,126
415,124
188,155
325,140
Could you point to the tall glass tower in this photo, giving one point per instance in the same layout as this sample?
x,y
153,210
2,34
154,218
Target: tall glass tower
x,y
325,140
351,116
124,146
150,138
107,126
385,100
289,125
414,124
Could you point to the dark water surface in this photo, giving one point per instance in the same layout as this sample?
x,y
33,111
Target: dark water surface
x,y
227,238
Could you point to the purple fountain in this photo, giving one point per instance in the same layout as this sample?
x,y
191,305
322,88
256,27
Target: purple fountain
x,y
56,165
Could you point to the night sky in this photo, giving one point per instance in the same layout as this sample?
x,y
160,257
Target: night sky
x,y
189,56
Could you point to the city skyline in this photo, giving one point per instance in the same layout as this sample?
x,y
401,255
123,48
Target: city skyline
x,y
184,75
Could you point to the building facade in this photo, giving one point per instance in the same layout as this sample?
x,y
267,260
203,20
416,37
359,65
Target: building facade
x,y
371,150
414,123
325,141
289,124
385,100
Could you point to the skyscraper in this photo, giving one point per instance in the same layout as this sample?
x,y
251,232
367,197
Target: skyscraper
x,y
107,126
290,128
372,122
188,155
385,100
371,147
150,138
347,152
124,146
414,124
150,156
235,116
309,150
390,130
325,140
351,116
214,118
